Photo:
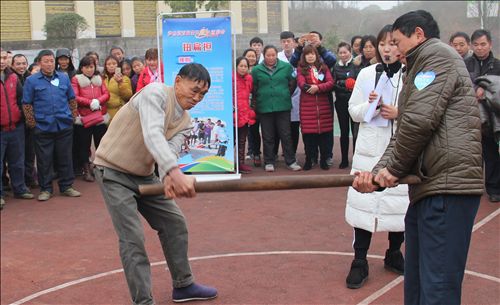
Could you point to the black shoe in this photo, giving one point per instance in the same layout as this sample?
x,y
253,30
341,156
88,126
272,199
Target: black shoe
x,y
307,165
324,165
358,274
343,164
394,261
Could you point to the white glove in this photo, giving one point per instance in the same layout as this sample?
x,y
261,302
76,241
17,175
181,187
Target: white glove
x,y
78,120
94,105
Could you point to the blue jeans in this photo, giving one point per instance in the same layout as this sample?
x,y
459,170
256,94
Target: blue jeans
x,y
437,233
12,150
60,144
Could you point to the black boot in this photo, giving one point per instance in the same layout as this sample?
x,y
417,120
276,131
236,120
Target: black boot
x,y
344,164
358,274
394,261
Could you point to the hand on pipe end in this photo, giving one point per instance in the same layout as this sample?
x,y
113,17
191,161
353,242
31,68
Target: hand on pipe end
x,y
363,182
385,179
177,184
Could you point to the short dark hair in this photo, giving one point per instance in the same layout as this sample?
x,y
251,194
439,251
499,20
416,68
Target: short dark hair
x,y
353,39
387,29
92,53
239,59
249,50
365,39
480,33
269,47
286,35
137,58
43,53
85,62
115,48
30,68
256,40
408,22
19,55
460,34
319,34
343,44
195,72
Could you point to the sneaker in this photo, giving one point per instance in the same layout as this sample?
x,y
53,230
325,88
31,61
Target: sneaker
x,y
71,192
193,292
245,169
2,203
358,274
294,166
269,168
44,196
256,161
394,261
329,161
25,195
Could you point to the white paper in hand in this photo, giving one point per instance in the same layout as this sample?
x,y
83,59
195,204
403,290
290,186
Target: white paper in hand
x,y
384,90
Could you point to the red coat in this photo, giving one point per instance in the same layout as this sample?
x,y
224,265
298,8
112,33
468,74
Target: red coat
x,y
87,89
315,111
10,114
244,86
145,78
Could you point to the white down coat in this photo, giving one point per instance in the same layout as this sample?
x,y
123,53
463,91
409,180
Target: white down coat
x,y
378,211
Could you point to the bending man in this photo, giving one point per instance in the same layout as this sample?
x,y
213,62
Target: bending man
x,y
151,128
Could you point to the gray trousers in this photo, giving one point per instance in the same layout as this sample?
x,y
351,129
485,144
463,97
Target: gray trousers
x,y
121,194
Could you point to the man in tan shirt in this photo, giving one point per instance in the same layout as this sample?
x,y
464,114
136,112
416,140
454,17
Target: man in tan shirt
x,y
150,129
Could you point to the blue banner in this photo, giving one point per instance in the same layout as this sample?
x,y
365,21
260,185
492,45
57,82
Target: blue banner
x,y
206,41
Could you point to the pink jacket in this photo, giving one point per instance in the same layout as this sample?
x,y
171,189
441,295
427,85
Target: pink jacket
x,y
87,89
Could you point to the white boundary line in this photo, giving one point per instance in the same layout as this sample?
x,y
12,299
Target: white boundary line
x,y
370,298
382,291
485,220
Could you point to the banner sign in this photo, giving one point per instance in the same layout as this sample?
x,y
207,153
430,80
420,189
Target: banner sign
x,y
207,41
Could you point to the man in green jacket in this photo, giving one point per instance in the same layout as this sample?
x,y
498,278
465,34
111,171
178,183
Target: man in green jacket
x,y
439,139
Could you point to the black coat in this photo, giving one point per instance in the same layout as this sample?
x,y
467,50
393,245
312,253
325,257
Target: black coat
x,y
340,73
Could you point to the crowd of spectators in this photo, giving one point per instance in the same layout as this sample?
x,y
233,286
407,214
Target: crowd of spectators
x,y
54,114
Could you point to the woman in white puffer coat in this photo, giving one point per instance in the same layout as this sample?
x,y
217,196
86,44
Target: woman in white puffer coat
x,y
379,211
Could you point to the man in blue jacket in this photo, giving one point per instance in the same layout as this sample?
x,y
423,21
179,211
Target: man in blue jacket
x,y
50,108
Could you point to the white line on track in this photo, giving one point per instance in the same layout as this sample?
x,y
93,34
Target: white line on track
x,y
485,220
382,291
368,300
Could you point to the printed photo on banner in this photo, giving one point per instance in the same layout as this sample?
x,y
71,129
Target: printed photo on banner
x,y
209,148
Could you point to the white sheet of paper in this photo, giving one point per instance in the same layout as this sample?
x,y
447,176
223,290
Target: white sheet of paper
x,y
381,90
